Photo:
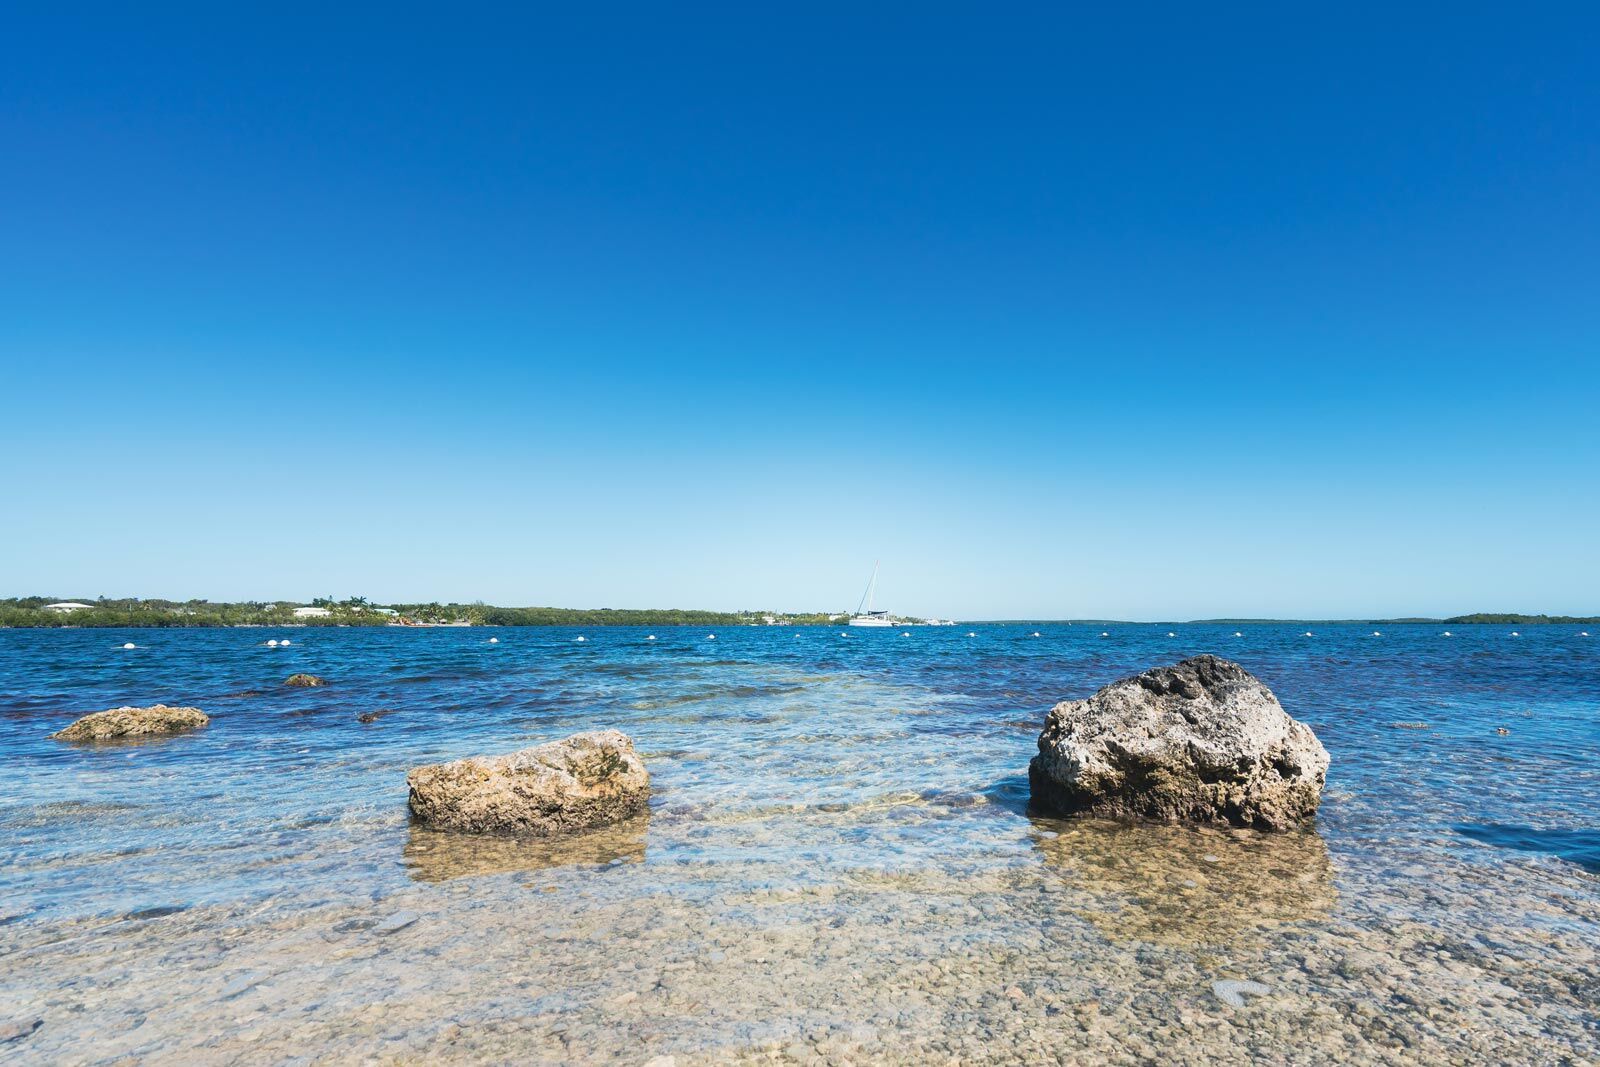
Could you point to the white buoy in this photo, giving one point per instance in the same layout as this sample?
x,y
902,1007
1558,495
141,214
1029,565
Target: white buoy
x,y
582,638
1238,633
1376,633
272,644
1515,634
971,634
1036,633
1583,633
711,637
1308,633
906,634
494,640
652,637
130,644
1447,633
1103,633
1171,634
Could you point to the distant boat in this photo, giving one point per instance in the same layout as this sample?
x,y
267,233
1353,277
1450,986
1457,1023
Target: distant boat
x,y
869,617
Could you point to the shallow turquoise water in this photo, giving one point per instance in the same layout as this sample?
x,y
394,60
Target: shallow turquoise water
x,y
784,760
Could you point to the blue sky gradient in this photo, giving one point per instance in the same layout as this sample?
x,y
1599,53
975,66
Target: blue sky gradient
x,y
1158,314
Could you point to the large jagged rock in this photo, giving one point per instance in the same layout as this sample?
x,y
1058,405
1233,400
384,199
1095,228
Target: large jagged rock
x,y
1200,742
586,781
305,681
133,722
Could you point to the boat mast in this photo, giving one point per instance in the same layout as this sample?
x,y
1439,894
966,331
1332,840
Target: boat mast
x,y
871,588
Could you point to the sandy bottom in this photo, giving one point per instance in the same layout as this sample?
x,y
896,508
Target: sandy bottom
x,y
675,937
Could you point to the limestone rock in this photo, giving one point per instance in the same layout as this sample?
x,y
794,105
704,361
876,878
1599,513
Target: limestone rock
x,y
586,781
1200,742
304,680
133,722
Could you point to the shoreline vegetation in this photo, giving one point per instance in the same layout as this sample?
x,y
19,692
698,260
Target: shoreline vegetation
x,y
49,612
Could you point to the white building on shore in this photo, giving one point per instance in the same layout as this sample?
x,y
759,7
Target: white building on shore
x,y
65,606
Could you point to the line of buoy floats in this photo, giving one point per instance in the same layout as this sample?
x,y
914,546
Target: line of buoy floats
x,y
286,642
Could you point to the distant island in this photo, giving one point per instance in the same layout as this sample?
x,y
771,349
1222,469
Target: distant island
x,y
40,611
1497,618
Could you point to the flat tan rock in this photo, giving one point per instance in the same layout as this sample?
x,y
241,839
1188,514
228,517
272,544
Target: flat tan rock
x,y
133,722
586,781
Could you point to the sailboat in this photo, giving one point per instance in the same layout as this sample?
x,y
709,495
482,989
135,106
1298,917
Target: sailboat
x,y
869,617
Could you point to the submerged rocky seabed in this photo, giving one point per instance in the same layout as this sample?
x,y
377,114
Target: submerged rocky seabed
x,y
838,865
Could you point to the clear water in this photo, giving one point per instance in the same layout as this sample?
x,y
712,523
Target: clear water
x,y
838,864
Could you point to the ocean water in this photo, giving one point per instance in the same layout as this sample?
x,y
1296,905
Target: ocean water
x,y
839,864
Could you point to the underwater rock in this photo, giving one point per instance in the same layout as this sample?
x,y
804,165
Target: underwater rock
x,y
304,680
1187,886
1200,742
396,922
17,1030
438,856
585,781
1229,989
133,722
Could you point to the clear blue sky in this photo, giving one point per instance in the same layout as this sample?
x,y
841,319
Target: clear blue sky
x,y
1162,314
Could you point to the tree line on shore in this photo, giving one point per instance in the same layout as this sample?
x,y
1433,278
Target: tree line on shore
x,y
36,611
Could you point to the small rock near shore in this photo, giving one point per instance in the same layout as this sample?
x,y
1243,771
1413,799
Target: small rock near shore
x,y
586,781
133,722
1199,742
304,680
18,1029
